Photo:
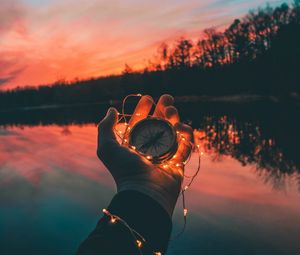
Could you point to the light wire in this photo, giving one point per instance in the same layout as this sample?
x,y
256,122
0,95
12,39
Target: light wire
x,y
138,239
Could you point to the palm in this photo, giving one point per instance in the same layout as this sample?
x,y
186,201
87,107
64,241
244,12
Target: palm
x,y
129,168
129,163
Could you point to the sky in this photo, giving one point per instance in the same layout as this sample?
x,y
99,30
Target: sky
x,y
42,41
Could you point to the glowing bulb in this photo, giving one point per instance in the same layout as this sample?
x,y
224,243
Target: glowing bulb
x,y
139,243
113,220
185,212
165,166
133,147
120,132
202,153
198,145
148,157
185,188
138,114
183,139
139,95
104,211
157,253
174,156
125,140
178,164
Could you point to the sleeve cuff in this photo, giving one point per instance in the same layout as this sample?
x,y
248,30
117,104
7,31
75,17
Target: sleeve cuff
x,y
146,216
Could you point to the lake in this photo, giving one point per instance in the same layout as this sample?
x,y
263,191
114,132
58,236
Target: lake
x,y
245,200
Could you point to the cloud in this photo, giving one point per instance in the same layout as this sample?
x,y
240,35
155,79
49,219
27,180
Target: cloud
x,y
12,30
4,132
10,68
80,39
31,154
11,16
11,76
3,80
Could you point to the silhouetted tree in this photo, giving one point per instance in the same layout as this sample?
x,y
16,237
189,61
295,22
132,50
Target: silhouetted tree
x,y
255,54
127,70
181,57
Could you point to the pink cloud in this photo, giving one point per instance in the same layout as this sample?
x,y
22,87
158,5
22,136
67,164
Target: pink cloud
x,y
11,16
31,154
80,39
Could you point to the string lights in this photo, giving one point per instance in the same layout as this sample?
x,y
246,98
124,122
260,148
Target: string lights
x,y
122,130
139,240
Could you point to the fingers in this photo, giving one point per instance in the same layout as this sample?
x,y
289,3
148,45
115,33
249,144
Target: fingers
x,y
185,130
106,129
165,109
141,110
185,134
163,102
171,114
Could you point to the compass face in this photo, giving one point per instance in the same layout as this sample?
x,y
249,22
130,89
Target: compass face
x,y
154,138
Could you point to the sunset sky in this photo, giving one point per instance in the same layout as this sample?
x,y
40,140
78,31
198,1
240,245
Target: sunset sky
x,y
42,41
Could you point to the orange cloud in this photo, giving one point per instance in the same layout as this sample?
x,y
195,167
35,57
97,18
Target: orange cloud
x,y
42,43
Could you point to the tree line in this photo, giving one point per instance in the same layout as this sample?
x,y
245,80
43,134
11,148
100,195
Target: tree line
x,y
243,40
257,54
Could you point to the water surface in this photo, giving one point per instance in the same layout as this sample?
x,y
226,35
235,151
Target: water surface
x,y
246,199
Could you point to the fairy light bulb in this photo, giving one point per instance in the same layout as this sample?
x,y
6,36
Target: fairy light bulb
x,y
157,253
113,220
139,243
185,212
168,162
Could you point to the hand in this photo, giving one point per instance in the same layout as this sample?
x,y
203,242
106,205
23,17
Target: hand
x,y
132,171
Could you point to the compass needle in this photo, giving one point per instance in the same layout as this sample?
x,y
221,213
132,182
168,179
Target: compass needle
x,y
154,137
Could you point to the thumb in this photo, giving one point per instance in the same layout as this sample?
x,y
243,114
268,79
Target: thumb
x,y
106,126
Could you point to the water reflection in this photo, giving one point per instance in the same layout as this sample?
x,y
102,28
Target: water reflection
x,y
217,136
50,176
247,143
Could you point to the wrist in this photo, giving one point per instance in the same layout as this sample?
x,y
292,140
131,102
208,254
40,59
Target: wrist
x,y
166,200
145,215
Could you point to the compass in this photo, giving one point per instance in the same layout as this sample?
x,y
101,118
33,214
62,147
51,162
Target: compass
x,y
155,139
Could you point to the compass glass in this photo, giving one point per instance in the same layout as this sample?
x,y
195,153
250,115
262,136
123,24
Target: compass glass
x,y
154,137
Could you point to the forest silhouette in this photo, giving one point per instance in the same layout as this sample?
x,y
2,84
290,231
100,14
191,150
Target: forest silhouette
x,y
258,54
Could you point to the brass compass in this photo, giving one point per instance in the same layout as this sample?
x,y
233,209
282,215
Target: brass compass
x,y
155,139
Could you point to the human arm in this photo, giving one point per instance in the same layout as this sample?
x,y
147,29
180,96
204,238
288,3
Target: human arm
x,y
146,193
